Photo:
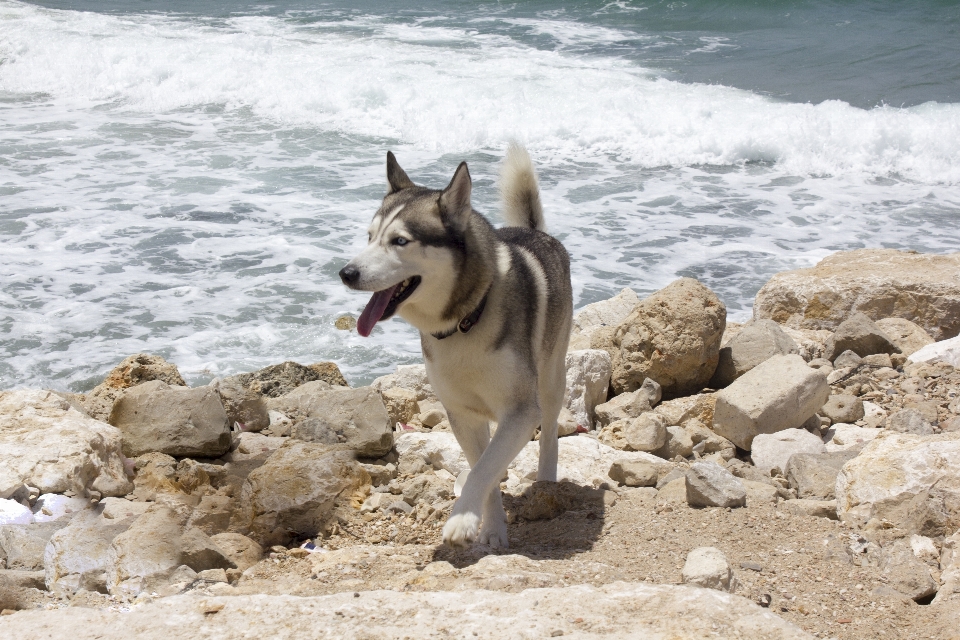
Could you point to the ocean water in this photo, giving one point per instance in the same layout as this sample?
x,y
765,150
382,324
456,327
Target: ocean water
x,y
186,178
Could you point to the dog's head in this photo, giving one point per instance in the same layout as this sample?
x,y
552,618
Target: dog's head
x,y
412,254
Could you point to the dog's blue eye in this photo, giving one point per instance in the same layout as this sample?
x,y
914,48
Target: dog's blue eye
x,y
400,241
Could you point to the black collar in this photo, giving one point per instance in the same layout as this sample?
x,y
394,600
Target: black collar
x,y
468,321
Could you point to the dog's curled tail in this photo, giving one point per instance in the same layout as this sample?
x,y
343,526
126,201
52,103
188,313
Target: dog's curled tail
x,y
519,190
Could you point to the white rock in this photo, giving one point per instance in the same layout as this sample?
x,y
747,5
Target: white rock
x,y
780,393
12,512
439,449
581,459
949,569
873,414
46,443
377,501
708,567
588,378
617,610
51,506
606,313
842,436
408,376
925,550
944,351
886,478
774,450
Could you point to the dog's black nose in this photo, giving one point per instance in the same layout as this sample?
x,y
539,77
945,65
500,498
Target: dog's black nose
x,y
349,274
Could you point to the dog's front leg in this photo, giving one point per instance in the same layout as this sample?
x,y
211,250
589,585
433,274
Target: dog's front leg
x,y
514,431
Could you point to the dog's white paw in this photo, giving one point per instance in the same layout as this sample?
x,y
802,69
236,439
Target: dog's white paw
x,y
461,529
494,533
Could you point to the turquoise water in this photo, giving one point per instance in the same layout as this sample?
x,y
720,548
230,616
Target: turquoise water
x,y
186,178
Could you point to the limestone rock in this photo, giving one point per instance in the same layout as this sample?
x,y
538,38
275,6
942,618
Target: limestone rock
x,y
439,449
357,417
647,432
859,334
588,379
708,567
780,393
756,342
296,491
847,360
630,404
239,549
52,506
47,444
814,476
911,481
78,555
813,508
679,443
672,337
759,493
280,379
133,370
710,485
909,421
905,335
604,314
903,571
635,473
774,450
428,488
641,610
698,407
150,553
22,545
243,406
581,460
401,404
212,515
881,283
843,408
177,421
944,351
408,376
706,441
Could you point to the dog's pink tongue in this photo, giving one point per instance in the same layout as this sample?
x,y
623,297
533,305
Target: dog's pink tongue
x,y
374,310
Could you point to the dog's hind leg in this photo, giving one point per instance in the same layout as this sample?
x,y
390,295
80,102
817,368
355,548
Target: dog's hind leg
x,y
514,431
551,399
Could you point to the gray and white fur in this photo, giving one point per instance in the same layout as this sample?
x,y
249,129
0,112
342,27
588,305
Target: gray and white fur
x,y
437,262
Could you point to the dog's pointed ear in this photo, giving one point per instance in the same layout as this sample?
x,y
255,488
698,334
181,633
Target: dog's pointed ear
x,y
396,177
455,200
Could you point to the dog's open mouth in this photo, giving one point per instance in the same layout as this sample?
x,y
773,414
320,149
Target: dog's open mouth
x,y
383,304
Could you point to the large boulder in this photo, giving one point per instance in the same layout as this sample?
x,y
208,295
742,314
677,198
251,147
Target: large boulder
x,y
710,485
177,421
599,315
757,341
621,609
859,334
133,370
672,337
243,405
909,480
881,283
296,491
588,379
780,393
355,417
47,444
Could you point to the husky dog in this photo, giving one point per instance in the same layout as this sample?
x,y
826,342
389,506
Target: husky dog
x,y
494,309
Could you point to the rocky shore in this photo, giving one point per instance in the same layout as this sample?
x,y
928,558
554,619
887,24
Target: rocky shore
x,y
795,476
